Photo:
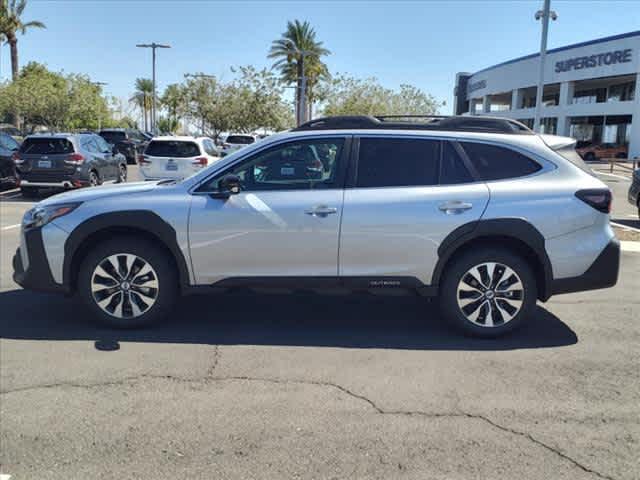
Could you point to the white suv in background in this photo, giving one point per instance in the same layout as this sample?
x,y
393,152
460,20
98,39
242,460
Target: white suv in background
x,y
176,157
236,141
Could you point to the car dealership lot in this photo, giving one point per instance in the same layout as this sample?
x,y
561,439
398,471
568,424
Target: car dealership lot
x,y
250,385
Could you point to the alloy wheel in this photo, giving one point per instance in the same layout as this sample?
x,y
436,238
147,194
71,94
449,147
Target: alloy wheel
x,y
124,285
490,294
122,177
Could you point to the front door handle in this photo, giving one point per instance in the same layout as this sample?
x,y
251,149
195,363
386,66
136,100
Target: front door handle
x,y
321,211
454,207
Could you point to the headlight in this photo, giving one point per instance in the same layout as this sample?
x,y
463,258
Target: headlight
x,y
41,215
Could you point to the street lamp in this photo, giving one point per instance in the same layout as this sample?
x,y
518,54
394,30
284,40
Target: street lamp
x,y
153,47
98,85
543,15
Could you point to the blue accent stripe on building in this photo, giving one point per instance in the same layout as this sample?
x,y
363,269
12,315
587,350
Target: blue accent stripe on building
x,y
560,49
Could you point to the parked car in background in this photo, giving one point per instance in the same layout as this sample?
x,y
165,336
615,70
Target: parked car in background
x,y
176,157
8,147
65,161
479,211
591,152
11,131
128,141
235,142
634,191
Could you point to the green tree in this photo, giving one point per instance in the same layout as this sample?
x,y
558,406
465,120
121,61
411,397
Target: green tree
x,y
173,101
11,24
143,98
347,95
297,50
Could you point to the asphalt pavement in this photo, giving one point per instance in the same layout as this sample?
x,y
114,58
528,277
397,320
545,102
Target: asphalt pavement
x,y
255,386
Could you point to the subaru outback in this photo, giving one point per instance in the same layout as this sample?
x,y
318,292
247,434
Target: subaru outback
x,y
480,212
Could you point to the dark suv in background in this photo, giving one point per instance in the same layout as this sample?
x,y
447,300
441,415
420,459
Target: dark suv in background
x,y
65,161
128,141
8,146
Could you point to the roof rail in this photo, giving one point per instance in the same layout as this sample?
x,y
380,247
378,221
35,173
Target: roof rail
x,y
418,122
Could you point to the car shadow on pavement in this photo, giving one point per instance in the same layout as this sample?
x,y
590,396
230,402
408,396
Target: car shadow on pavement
x,y
627,222
299,319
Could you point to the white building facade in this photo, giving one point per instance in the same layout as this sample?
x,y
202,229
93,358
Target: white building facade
x,y
591,91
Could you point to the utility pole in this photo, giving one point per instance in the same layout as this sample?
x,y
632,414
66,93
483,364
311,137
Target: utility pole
x,y
543,14
153,46
99,85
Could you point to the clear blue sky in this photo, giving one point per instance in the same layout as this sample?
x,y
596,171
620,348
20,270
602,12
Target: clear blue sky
x,y
423,43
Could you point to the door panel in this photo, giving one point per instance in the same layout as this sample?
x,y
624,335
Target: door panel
x,y
397,231
265,234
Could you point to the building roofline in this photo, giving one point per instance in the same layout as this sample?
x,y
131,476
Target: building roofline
x,y
560,49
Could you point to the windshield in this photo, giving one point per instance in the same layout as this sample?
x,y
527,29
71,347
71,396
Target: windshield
x,y
240,139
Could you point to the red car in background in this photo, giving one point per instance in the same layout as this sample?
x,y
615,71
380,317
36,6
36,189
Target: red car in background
x,y
590,152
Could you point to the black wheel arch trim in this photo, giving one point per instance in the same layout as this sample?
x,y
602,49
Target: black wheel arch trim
x,y
515,228
145,220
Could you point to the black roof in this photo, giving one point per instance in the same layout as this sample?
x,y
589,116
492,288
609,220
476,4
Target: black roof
x,y
418,122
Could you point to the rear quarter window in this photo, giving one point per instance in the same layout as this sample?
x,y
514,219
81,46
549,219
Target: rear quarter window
x,y
51,146
172,148
498,163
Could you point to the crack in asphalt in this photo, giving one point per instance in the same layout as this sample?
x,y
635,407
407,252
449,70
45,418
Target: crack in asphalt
x,y
338,387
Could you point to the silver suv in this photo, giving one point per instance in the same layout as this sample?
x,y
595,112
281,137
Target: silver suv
x,y
481,212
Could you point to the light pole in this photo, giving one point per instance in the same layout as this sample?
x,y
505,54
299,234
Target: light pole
x,y
543,14
99,85
153,47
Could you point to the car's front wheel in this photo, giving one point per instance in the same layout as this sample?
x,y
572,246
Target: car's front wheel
x,y
488,292
127,282
122,173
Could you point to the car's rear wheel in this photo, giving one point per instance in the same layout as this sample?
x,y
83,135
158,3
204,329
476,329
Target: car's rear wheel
x,y
29,192
94,179
488,292
122,173
127,282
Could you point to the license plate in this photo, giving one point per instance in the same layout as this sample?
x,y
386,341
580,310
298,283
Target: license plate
x,y
172,166
44,163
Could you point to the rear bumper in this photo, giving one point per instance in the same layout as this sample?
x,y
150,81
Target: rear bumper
x,y
603,273
63,184
37,276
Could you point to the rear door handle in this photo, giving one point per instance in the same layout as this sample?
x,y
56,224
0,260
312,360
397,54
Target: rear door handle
x,y
321,211
454,207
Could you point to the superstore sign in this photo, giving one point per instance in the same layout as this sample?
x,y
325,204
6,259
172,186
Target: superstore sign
x,y
597,60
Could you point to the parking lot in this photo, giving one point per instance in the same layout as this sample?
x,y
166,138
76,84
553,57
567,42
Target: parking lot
x,y
255,385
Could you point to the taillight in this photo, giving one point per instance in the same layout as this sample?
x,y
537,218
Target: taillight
x,y
75,159
598,198
200,162
16,159
142,160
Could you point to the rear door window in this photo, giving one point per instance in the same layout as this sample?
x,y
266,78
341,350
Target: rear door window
x,y
397,162
172,148
50,146
498,163
453,170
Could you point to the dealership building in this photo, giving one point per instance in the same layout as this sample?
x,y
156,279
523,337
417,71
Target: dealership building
x,y
591,91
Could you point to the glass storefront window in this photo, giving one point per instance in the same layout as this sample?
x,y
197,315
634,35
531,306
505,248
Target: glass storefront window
x,y
595,95
623,92
549,125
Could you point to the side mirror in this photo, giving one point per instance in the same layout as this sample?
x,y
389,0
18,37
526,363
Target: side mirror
x,y
227,186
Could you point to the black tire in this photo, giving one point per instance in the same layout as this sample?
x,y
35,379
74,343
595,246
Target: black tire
x,y
29,192
94,179
122,314
590,157
122,173
458,269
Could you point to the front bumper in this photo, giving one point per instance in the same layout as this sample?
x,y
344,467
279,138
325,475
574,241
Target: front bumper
x,y
37,276
603,273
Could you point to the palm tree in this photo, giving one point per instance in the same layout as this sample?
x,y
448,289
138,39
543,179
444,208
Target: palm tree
x,y
10,24
143,97
298,51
